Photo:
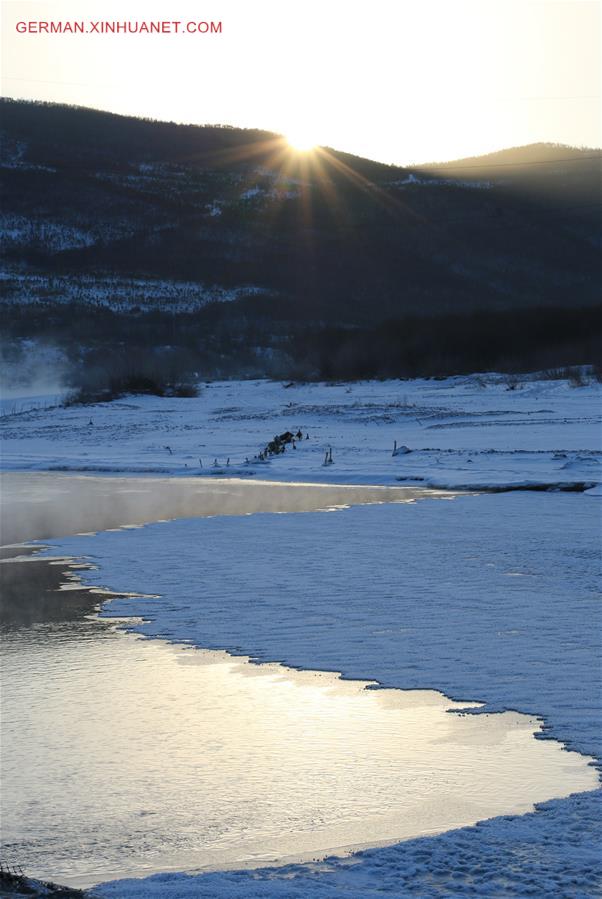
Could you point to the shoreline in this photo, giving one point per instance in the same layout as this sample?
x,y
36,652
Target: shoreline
x,y
100,615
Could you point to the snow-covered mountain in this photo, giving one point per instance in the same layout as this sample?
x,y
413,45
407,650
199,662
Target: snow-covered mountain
x,y
322,258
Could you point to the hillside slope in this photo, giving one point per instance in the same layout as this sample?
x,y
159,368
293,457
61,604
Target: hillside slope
x,y
132,217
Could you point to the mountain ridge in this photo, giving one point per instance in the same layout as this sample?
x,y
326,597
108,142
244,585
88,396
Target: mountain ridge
x,y
264,244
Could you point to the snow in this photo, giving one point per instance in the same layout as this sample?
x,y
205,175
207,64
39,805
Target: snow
x,y
138,735
488,598
19,403
19,231
117,294
539,855
442,182
251,192
469,432
484,597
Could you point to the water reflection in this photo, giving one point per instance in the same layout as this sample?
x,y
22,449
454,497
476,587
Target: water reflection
x,y
125,756
45,505
33,598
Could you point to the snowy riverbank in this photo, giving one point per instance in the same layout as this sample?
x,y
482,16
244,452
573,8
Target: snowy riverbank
x,y
491,598
471,431
488,598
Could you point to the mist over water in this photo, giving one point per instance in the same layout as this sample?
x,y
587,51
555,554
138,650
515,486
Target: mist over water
x,y
40,506
32,368
127,756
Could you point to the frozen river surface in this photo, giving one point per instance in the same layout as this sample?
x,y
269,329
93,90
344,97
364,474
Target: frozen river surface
x,y
130,756
125,756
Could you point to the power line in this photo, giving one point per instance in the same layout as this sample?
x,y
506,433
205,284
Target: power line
x,y
431,166
499,165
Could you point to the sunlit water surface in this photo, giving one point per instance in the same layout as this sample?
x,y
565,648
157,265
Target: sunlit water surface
x,y
41,505
125,756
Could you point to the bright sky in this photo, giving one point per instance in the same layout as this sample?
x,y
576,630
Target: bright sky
x,y
396,80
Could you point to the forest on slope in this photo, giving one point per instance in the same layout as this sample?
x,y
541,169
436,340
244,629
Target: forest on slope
x,y
227,253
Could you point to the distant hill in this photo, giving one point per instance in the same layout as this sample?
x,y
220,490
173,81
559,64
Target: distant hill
x,y
566,177
531,154
128,217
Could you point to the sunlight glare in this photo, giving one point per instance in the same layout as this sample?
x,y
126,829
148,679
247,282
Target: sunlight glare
x,y
300,140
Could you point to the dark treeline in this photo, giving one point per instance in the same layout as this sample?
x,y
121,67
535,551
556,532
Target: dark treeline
x,y
79,137
357,269
334,246
74,136
108,350
456,344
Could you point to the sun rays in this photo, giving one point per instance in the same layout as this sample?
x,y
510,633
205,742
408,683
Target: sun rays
x,y
297,177
301,140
